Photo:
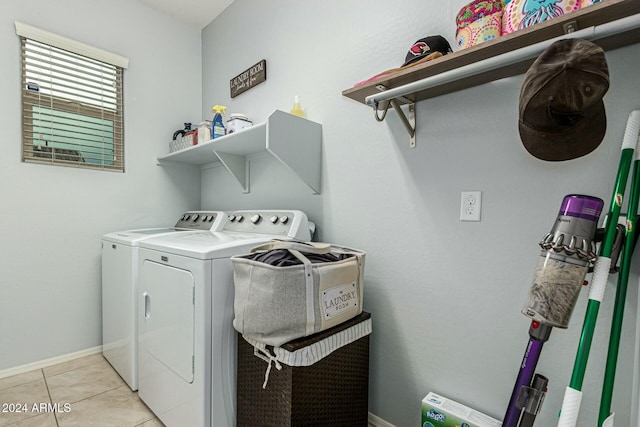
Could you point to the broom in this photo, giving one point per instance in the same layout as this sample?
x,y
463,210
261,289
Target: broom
x,y
573,393
605,418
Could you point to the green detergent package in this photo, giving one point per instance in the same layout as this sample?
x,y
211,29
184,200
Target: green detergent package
x,y
438,411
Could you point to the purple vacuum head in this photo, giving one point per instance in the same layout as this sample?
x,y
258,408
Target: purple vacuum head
x,y
574,229
581,206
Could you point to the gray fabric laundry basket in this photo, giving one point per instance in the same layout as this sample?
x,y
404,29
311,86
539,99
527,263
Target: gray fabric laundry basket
x,y
274,305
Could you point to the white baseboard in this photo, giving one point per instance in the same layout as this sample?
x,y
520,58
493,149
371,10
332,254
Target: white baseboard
x,y
49,362
378,422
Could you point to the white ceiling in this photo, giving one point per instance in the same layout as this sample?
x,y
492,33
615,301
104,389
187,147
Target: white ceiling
x,y
197,12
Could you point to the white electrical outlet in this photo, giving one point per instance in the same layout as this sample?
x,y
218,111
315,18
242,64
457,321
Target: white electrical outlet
x,y
470,205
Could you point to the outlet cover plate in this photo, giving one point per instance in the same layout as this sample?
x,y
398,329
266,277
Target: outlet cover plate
x,y
470,205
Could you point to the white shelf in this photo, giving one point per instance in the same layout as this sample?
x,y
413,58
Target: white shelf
x,y
294,141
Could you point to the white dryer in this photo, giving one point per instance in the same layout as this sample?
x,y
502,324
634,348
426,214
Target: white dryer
x,y
120,288
187,344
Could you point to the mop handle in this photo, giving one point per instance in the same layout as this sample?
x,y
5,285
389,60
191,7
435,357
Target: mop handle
x,y
573,393
605,417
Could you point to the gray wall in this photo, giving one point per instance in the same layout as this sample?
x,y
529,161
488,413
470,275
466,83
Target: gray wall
x,y
52,217
445,296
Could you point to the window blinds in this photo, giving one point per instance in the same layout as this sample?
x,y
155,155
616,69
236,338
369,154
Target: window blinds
x,y
72,108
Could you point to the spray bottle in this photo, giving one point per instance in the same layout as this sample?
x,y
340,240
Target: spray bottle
x,y
217,124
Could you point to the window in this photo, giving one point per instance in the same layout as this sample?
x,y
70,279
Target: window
x,y
71,103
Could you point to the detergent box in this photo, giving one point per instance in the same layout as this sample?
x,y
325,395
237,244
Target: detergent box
x,y
438,411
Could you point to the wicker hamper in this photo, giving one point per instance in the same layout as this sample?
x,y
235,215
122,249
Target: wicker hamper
x,y
331,392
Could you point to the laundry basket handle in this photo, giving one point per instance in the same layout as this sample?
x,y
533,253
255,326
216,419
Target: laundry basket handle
x,y
308,247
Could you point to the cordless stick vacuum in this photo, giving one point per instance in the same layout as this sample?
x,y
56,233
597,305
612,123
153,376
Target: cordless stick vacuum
x,y
567,251
605,417
573,394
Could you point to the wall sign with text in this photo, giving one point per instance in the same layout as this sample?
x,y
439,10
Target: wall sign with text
x,y
249,78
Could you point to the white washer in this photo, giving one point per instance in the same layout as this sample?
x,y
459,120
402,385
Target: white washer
x,y
120,288
187,344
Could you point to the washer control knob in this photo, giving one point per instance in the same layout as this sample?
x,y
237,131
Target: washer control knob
x,y
211,218
240,218
284,219
186,217
256,218
195,217
274,219
232,218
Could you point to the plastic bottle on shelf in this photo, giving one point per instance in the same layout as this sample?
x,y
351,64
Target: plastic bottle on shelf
x,y
217,124
297,108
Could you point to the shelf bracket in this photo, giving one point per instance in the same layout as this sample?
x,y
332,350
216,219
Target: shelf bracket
x,y
569,27
237,167
409,123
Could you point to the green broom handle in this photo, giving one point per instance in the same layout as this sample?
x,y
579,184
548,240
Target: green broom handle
x,y
573,393
605,415
593,306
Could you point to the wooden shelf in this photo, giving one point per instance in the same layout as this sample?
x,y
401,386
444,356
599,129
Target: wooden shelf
x,y
294,141
598,14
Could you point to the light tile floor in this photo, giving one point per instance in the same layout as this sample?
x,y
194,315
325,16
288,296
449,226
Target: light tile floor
x,y
80,393
84,392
